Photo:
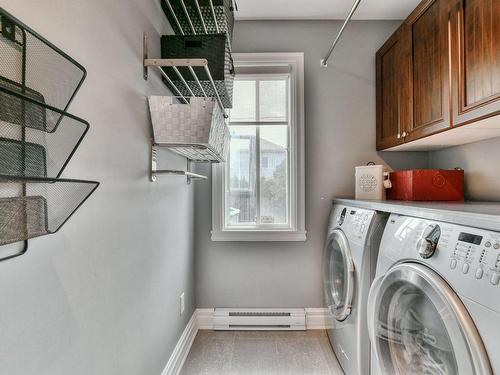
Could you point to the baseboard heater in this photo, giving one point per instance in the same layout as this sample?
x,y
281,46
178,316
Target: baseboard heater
x,y
259,319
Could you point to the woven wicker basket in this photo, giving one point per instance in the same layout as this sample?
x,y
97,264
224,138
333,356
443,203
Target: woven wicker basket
x,y
224,15
196,130
215,49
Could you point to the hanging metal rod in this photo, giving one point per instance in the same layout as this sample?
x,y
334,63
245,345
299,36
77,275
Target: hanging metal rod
x,y
324,62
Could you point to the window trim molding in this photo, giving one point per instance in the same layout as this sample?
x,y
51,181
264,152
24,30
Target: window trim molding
x,y
297,231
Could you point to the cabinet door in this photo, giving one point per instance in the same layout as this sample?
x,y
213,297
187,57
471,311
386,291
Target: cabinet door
x,y
475,35
429,69
392,92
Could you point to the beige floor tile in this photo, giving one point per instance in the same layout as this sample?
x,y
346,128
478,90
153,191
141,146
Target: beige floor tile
x,y
261,353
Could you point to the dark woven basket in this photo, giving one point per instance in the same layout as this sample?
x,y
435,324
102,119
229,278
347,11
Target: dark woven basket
x,y
224,16
215,49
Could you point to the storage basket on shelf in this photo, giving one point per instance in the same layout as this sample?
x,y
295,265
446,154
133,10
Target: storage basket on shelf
x,y
33,66
220,20
427,185
33,207
196,130
215,49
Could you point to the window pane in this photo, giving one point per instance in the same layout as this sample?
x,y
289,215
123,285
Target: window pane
x,y
241,184
273,100
244,98
273,174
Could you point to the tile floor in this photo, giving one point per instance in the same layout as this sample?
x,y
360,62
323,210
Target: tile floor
x,y
261,352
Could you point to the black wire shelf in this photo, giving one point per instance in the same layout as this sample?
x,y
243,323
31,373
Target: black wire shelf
x,y
36,140
33,207
37,66
38,137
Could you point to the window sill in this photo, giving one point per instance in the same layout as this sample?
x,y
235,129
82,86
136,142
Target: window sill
x,y
259,236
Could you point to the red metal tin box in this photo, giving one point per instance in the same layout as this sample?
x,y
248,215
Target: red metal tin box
x,y
427,185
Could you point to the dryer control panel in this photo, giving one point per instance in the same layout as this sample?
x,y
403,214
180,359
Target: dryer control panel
x,y
354,222
359,220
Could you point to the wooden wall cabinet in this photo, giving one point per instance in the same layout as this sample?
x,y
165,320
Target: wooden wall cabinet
x,y
446,58
475,40
392,91
429,50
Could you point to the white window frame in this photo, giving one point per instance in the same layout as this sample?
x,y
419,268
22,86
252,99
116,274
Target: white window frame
x,y
296,230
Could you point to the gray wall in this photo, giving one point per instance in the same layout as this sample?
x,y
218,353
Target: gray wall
x,y
340,134
101,296
480,162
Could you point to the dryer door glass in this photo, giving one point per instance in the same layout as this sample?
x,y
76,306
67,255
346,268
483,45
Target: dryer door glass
x,y
338,275
420,326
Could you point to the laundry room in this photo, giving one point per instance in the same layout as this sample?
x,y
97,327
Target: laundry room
x,y
249,187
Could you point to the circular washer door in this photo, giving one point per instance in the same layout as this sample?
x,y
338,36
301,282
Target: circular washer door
x,y
418,325
338,275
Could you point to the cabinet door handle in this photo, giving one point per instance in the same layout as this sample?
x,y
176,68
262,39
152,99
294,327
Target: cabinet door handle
x,y
399,115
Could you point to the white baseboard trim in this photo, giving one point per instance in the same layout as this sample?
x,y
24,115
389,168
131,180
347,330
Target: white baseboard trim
x,y
205,318
316,318
181,350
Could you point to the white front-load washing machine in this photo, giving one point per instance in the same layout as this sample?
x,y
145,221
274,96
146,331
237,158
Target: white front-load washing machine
x,y
349,267
434,306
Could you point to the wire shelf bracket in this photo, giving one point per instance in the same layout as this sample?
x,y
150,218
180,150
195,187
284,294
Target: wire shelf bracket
x,y
190,176
174,64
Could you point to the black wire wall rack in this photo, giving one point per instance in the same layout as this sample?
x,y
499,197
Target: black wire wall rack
x,y
192,152
38,136
191,77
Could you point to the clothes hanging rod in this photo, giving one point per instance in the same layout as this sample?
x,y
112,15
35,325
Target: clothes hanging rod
x,y
324,62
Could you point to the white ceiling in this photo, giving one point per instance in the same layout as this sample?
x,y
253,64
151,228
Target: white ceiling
x,y
324,9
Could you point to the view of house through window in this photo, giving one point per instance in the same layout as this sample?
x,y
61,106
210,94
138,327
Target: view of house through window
x,y
258,176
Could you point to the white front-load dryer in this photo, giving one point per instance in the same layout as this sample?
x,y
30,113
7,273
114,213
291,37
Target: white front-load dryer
x,y
349,267
434,307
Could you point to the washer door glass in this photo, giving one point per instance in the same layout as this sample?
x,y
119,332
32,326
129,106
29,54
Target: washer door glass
x,y
420,326
338,275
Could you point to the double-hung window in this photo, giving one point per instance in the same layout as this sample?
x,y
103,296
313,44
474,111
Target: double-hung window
x,y
258,194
